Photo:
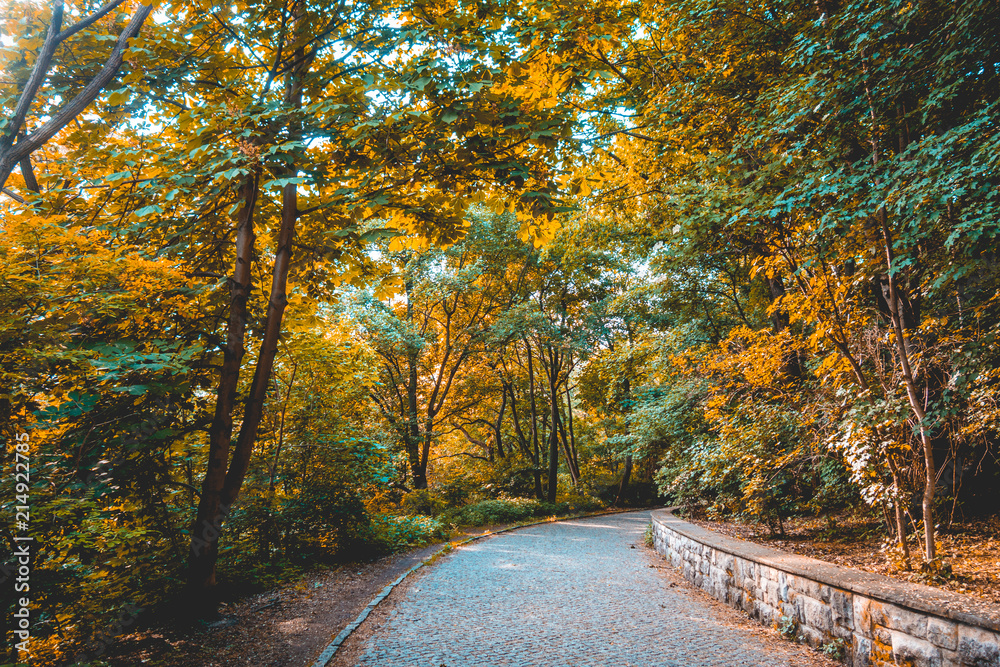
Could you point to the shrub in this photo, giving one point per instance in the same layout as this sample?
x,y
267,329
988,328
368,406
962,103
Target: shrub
x,y
514,510
577,501
788,627
394,533
423,501
504,510
836,649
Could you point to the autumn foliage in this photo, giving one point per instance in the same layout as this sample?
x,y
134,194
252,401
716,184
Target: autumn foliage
x,y
299,282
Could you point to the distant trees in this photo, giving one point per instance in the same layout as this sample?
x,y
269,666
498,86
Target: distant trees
x,y
428,338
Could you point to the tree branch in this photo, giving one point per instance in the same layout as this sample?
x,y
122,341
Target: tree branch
x,y
35,79
74,107
13,195
89,21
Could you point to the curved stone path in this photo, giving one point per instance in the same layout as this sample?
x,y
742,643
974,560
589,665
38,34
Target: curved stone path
x,y
575,593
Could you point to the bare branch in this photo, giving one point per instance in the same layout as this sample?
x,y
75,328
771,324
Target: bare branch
x,y
471,456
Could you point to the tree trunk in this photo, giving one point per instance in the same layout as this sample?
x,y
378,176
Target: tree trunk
x,y
525,445
498,434
211,512
417,471
897,504
791,364
270,531
627,473
534,422
554,427
574,473
626,476
902,351
569,424
902,344
222,486
425,453
281,431
277,302
28,172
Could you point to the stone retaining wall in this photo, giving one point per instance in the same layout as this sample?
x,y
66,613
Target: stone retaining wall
x,y
879,621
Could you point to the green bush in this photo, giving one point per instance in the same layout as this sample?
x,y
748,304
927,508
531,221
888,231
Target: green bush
x,y
514,510
395,533
836,649
456,490
423,501
488,512
578,501
272,541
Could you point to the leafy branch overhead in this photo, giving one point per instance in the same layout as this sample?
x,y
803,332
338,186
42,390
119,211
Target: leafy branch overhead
x,y
17,143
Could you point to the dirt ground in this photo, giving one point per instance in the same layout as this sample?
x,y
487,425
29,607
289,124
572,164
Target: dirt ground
x,y
287,626
972,549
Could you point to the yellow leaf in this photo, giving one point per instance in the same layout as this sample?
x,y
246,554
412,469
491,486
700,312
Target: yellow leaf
x,y
120,96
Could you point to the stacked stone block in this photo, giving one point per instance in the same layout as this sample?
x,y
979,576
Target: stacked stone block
x,y
880,622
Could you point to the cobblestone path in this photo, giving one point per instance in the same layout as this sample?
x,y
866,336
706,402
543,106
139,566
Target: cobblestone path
x,y
574,593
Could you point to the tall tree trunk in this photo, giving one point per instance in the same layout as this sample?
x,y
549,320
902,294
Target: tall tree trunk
x,y
554,429
498,434
553,478
525,444
522,440
626,477
417,471
569,424
425,452
281,432
574,473
222,485
277,302
270,531
791,364
211,511
28,172
627,472
897,505
902,344
534,421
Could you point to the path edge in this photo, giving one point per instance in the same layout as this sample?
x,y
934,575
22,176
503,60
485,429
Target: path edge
x,y
331,649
